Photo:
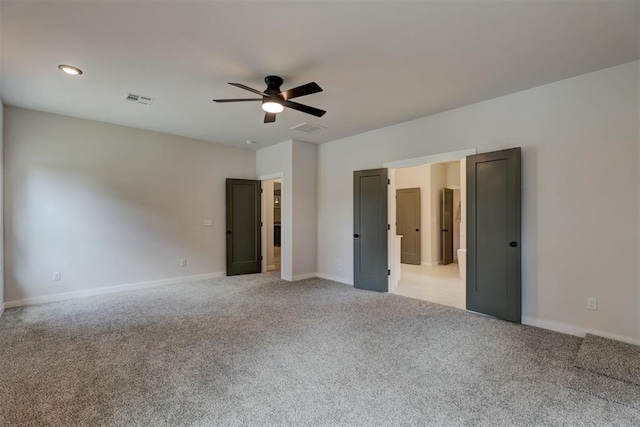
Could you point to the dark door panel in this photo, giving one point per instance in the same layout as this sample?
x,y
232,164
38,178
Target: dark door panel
x,y
408,224
493,234
370,230
243,227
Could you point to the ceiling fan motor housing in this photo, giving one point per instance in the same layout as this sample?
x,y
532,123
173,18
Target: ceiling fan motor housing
x,y
273,84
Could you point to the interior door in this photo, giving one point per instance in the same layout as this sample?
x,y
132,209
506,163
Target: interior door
x,y
446,220
493,234
370,230
243,227
408,224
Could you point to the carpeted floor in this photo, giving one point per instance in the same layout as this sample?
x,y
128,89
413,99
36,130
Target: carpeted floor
x,y
614,359
255,350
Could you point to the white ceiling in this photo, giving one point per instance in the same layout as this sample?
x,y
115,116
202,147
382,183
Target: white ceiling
x,y
379,63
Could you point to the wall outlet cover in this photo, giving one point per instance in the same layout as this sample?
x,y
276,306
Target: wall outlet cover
x,y
592,304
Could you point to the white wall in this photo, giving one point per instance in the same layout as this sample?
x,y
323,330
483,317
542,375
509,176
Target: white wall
x,y
278,159
297,162
580,141
418,177
305,171
453,174
109,205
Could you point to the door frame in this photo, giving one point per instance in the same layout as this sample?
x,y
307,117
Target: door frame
x,y
396,164
285,248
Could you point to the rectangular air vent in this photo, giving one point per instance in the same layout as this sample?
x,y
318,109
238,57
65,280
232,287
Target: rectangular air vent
x,y
139,99
307,128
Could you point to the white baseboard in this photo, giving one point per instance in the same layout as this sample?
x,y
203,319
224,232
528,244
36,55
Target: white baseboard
x,y
304,276
430,264
109,289
335,278
575,330
2,309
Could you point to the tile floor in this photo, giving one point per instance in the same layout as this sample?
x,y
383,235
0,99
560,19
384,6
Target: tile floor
x,y
440,284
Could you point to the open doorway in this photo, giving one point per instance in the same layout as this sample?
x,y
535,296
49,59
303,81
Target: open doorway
x,y
429,208
272,224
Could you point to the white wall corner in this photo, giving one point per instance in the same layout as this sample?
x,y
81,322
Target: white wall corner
x,y
110,289
2,309
335,278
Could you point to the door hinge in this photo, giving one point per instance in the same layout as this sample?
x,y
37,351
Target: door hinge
x,y
388,181
261,191
261,224
388,226
388,272
260,257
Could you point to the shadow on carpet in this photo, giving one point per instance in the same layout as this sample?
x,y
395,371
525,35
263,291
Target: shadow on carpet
x,y
608,369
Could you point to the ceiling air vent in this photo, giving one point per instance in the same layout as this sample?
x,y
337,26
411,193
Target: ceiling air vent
x,y
139,99
307,128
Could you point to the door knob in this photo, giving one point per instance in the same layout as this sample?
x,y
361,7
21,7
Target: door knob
x,y
417,229
513,244
356,235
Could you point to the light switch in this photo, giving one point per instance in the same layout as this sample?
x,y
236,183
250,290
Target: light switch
x,y
208,222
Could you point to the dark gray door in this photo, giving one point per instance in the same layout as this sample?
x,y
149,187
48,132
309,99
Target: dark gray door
x,y
446,220
408,224
493,234
243,226
370,230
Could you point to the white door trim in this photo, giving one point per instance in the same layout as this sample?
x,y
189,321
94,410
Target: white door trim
x,y
434,158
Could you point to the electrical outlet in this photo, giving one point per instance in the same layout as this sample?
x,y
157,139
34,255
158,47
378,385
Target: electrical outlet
x,y
592,304
208,222
57,275
183,263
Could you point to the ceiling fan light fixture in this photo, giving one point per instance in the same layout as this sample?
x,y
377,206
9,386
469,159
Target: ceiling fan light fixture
x,y
272,107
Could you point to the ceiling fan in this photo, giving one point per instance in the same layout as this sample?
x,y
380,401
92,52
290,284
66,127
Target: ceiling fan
x,y
274,100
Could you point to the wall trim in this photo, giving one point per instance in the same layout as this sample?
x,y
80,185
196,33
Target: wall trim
x,y
575,330
304,276
109,289
335,278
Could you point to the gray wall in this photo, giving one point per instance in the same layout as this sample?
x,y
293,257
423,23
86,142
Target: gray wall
x,y
110,205
581,156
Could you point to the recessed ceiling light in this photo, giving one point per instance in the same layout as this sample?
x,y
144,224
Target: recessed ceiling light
x,y
70,69
250,141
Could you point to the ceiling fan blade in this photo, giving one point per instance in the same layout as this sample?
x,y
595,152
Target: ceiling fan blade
x,y
237,100
241,86
303,90
269,117
304,108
